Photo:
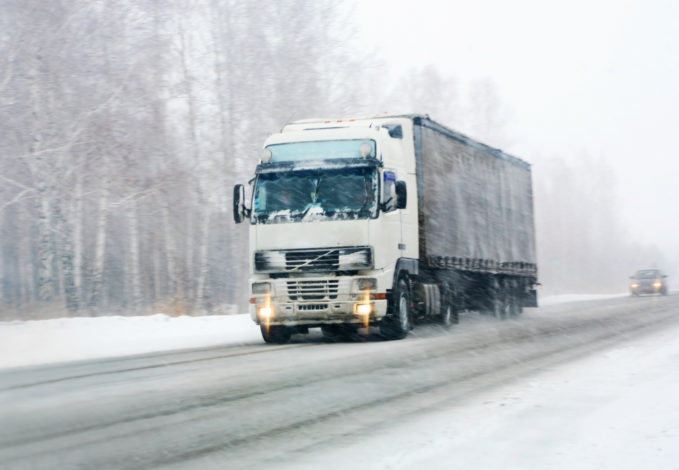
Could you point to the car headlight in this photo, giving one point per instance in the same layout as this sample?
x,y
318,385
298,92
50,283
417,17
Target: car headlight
x,y
657,284
634,285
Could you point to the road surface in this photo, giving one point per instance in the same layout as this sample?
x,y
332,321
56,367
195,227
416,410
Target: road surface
x,y
259,406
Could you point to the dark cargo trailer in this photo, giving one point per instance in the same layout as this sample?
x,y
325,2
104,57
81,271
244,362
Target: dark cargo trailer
x,y
476,227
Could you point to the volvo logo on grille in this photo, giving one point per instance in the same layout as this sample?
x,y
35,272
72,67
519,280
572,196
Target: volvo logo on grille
x,y
318,260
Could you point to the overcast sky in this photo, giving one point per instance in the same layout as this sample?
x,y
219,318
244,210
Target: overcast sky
x,y
583,76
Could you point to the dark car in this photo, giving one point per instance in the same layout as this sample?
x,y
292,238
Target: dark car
x,y
648,281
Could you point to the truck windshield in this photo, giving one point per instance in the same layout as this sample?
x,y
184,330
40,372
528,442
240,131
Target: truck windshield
x,y
306,195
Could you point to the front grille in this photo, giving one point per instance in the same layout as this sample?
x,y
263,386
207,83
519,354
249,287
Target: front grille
x,y
314,260
312,290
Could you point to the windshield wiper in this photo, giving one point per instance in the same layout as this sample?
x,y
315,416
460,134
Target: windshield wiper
x,y
305,211
314,198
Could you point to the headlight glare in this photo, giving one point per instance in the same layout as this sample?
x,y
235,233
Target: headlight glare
x,y
363,308
265,311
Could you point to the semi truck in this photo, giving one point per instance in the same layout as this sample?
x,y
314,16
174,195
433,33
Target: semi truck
x,y
383,222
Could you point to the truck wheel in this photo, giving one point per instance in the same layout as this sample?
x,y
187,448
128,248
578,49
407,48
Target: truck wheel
x,y
499,307
277,334
513,305
501,304
449,315
397,325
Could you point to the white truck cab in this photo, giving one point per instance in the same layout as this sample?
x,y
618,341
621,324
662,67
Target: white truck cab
x,y
329,218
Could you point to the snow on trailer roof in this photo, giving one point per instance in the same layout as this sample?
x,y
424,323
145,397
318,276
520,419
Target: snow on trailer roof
x,y
357,120
425,121
422,119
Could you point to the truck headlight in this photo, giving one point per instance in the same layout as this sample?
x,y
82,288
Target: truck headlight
x,y
261,288
657,284
365,284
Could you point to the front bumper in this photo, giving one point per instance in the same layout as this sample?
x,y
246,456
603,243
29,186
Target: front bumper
x,y
316,301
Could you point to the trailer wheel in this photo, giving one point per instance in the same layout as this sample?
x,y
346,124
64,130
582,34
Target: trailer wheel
x,y
495,302
397,325
449,316
277,334
499,306
513,305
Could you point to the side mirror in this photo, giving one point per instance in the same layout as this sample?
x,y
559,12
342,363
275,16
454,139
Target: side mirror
x,y
238,204
401,195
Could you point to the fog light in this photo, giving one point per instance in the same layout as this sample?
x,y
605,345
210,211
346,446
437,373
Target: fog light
x,y
363,309
265,311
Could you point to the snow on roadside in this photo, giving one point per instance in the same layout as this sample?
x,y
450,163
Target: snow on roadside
x,y
24,343
565,298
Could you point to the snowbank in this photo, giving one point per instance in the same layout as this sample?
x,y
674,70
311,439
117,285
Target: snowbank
x,y
71,339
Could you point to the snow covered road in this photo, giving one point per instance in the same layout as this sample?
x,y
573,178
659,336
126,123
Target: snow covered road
x,y
552,389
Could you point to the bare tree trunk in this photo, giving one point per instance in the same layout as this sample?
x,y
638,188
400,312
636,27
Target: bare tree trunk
x,y
187,279
134,259
221,63
4,297
170,253
202,274
224,68
27,288
65,253
156,287
77,239
97,281
45,254
193,201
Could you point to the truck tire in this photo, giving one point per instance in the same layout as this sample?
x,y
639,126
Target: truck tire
x,y
277,334
514,305
495,302
449,315
499,306
397,325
